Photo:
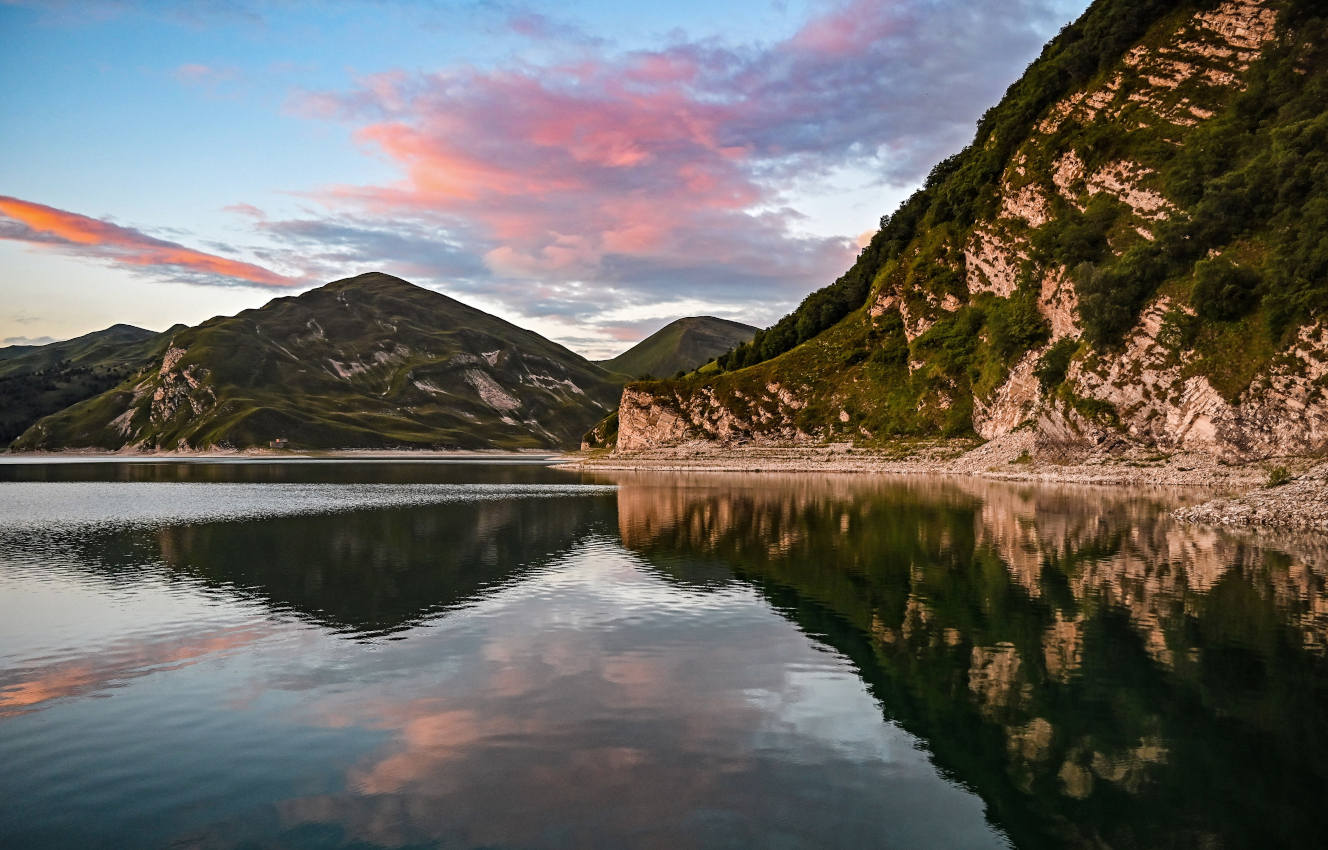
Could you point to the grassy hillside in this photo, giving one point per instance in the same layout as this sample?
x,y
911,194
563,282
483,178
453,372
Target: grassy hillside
x,y
37,380
370,361
680,346
1134,238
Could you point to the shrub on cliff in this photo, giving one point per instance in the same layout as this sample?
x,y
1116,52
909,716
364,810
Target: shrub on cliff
x,y
1222,291
1054,364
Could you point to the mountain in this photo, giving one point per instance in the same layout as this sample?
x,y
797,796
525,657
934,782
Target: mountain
x,y
370,361
1130,255
93,347
37,380
682,345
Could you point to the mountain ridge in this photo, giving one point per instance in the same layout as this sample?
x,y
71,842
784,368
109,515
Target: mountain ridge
x,y
78,348
370,361
38,380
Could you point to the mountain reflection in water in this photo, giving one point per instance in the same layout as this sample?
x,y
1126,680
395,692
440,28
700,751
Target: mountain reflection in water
x,y
398,660
1098,673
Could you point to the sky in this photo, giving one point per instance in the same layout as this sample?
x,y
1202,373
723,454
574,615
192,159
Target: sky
x,y
590,171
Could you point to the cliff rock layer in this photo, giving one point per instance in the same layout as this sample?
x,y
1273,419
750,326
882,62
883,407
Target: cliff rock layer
x,y
1130,250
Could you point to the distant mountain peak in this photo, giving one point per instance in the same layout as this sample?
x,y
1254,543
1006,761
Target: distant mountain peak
x,y
681,345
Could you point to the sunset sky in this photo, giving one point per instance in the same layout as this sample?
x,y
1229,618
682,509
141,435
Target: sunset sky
x,y
590,171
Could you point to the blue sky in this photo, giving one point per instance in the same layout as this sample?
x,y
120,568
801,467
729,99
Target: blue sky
x,y
590,171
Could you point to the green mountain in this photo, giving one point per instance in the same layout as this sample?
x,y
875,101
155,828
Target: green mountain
x,y
370,361
37,380
1130,253
681,345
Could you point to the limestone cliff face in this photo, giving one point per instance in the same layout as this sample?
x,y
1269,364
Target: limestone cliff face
x,y
1108,152
648,419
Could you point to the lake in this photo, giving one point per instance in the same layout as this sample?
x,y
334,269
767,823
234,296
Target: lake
x,y
335,653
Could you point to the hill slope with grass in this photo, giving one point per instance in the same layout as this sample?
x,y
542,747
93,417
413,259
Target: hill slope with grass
x,y
1130,254
680,346
367,362
37,380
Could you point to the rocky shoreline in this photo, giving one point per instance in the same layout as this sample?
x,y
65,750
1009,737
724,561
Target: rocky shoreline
x,y
1301,503
1241,495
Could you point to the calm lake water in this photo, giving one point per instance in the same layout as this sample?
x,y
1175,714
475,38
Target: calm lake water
x,y
441,654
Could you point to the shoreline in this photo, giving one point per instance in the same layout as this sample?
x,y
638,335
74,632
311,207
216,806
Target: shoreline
x,y
101,455
1239,495
1183,470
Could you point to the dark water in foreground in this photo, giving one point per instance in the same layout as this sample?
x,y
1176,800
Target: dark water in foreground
x,y
460,655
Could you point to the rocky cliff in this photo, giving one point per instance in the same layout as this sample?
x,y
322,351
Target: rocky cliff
x,y
1131,250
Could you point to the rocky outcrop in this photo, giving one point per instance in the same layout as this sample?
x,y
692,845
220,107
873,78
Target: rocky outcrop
x,y
1210,51
1285,410
1157,401
992,263
647,420
1014,402
1147,389
179,388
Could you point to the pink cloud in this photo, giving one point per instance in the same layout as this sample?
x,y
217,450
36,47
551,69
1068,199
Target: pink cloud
x,y
558,179
641,176
248,210
43,225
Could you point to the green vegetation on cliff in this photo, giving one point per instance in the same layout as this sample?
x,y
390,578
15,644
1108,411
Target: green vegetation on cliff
x,y
960,188
1158,155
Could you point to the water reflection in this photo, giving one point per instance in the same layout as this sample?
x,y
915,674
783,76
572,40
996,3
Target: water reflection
x,y
399,658
371,573
613,730
362,573
1099,674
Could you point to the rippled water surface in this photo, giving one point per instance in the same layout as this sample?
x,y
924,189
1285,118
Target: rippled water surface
x,y
486,654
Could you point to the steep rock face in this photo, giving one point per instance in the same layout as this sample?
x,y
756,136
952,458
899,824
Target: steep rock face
x,y
1013,402
646,420
179,388
1031,311
643,422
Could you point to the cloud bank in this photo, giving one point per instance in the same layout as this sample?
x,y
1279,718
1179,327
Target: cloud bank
x,y
642,176
587,192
